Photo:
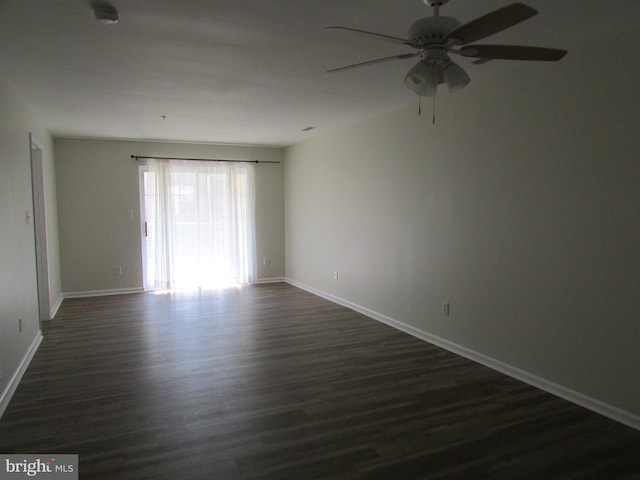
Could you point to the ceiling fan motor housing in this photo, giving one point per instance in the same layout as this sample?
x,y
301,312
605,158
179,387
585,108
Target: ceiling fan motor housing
x,y
105,13
431,30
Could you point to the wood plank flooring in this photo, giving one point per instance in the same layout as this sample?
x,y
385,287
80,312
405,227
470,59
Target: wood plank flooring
x,y
271,382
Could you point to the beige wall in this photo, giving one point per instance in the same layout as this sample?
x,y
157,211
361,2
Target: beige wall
x,y
18,287
98,183
520,207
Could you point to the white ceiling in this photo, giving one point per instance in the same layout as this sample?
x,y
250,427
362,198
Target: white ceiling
x,y
243,71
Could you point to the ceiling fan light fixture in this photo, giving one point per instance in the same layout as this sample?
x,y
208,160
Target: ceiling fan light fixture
x,y
422,79
455,78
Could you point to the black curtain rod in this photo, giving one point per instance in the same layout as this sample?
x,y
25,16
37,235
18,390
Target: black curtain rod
x,y
140,157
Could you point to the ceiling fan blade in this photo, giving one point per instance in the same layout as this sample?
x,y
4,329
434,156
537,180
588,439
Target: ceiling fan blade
x,y
373,62
377,36
491,23
512,52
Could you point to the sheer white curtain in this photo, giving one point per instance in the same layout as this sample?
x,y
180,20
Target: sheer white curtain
x,y
203,231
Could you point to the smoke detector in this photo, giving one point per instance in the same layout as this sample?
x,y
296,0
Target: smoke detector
x,y
105,13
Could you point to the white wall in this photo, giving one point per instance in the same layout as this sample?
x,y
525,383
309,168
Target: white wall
x,y
520,207
98,183
18,287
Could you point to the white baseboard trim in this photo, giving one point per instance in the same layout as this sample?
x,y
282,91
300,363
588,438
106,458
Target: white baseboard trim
x,y
269,280
56,307
605,409
103,293
8,392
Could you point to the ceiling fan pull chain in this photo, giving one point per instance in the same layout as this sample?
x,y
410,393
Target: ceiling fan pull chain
x,y
419,105
434,109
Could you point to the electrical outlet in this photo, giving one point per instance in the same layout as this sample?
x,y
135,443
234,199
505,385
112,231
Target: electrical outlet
x,y
117,269
445,309
335,275
267,261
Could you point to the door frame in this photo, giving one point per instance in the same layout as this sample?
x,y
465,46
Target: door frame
x,y
142,170
40,227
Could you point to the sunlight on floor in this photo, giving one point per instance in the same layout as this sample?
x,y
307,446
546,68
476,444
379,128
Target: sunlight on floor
x,y
197,289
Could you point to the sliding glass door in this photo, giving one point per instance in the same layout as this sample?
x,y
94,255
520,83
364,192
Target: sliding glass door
x,y
198,229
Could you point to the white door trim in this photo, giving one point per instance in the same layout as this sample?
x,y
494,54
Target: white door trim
x,y
40,227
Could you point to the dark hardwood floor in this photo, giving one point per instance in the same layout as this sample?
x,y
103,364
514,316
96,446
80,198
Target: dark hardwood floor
x,y
271,382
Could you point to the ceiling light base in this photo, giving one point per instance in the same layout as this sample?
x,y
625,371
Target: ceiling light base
x,y
433,3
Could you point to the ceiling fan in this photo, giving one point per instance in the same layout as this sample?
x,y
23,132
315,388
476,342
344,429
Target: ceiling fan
x,y
435,37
